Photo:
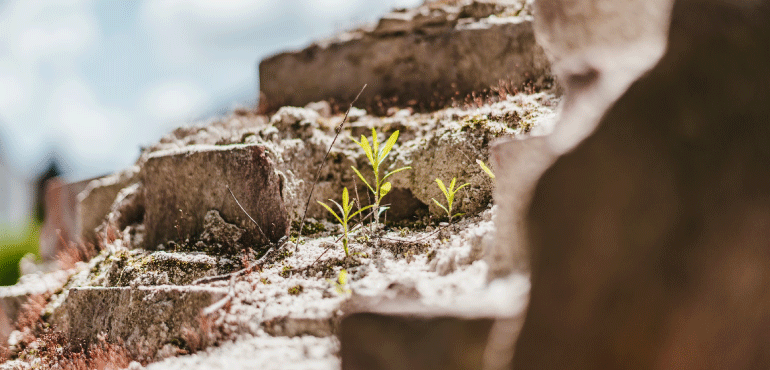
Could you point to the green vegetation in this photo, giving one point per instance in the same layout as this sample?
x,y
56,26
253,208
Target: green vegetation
x,y
486,169
341,285
449,194
13,246
376,156
286,271
296,290
344,216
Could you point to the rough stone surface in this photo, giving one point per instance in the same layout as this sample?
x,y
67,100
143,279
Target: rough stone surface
x,y
597,49
217,231
439,57
138,267
649,240
378,342
181,187
261,352
568,27
95,201
126,210
518,165
143,318
296,140
12,298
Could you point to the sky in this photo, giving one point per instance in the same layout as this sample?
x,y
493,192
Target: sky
x,y
92,81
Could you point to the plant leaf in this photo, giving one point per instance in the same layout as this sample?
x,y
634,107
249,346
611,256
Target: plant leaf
x,y
343,277
339,207
442,187
452,184
440,205
389,145
360,210
376,144
356,141
462,186
345,198
396,171
347,212
382,210
330,210
363,179
485,168
385,189
458,214
367,149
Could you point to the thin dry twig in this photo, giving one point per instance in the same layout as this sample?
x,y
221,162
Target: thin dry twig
x,y
247,214
358,203
337,130
222,302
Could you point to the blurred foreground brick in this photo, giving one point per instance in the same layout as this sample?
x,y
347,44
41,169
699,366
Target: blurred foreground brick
x,y
649,241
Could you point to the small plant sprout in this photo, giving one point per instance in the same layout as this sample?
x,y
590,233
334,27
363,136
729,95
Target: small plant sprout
x,y
341,285
376,156
450,196
486,169
344,216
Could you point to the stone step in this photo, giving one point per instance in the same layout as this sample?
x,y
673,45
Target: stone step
x,y
422,58
143,319
12,298
182,186
410,336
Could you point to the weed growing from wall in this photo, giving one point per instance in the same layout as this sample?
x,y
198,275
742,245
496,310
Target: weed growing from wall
x,y
344,216
449,194
376,155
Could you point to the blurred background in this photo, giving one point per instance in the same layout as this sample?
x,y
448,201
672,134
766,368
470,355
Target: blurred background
x,y
84,84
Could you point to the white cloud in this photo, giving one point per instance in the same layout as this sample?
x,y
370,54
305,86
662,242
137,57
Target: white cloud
x,y
35,31
195,31
15,91
41,45
175,101
92,134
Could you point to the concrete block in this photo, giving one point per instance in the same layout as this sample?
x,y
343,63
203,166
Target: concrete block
x,y
182,186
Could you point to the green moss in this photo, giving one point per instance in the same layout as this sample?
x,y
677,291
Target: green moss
x,y
309,228
473,122
296,290
286,271
283,254
162,267
525,126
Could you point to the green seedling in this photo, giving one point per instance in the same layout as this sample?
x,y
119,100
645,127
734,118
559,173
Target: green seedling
x,y
341,285
450,196
344,216
486,169
376,156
